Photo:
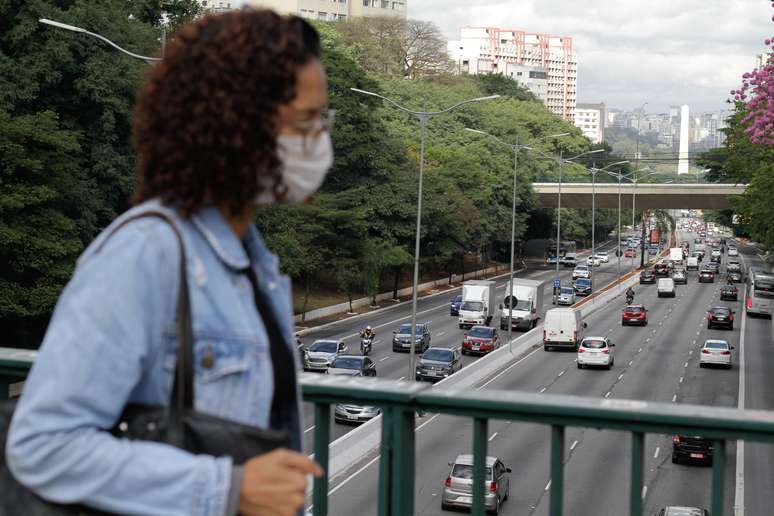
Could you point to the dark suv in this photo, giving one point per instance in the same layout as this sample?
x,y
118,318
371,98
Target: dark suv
x,y
454,307
401,339
691,448
661,269
647,276
720,316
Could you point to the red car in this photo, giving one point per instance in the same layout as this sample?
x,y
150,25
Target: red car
x,y
480,340
630,253
634,314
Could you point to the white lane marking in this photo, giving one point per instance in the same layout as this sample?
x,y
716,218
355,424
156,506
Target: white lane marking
x,y
309,429
441,334
739,492
511,367
690,352
607,395
548,486
543,389
682,378
644,491
574,444
685,365
655,455
631,362
647,340
639,350
560,374
401,378
377,341
620,376
353,475
674,398
492,436
383,359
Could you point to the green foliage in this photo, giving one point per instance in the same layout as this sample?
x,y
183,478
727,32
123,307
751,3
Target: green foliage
x,y
499,84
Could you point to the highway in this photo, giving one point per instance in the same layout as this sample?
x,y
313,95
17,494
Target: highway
x,y
658,362
444,328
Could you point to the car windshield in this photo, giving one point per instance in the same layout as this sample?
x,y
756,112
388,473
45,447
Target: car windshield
x,y
347,363
601,255
521,304
567,290
594,343
440,355
721,310
764,287
457,299
405,329
634,309
473,306
583,282
481,332
465,472
581,268
324,346
716,345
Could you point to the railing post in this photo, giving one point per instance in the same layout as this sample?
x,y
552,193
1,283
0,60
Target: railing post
x,y
322,437
402,496
555,507
635,494
386,461
479,466
718,476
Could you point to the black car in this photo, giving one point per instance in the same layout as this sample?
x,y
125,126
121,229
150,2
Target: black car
x,y
647,276
735,277
661,269
582,287
401,340
720,316
713,266
706,276
437,364
352,365
691,449
729,293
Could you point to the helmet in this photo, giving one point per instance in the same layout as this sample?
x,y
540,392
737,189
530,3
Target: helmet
x,y
368,328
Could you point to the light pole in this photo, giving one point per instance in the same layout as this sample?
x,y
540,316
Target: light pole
x,y
634,204
637,165
423,117
515,148
149,60
594,172
561,161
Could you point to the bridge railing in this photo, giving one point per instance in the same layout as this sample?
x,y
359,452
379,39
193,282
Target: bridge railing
x,y
400,403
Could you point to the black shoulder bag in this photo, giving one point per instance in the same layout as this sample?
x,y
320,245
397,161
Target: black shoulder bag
x,y
177,424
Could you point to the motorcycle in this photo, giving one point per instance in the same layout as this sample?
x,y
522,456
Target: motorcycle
x,y
365,345
629,299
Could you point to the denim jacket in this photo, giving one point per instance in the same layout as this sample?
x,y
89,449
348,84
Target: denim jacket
x,y
112,341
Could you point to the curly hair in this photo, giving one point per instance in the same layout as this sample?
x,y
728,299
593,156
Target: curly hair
x,y
205,120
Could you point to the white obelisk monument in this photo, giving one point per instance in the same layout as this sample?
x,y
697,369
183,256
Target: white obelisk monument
x,y
682,164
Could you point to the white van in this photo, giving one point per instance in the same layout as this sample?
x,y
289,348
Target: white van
x,y
692,263
666,287
562,328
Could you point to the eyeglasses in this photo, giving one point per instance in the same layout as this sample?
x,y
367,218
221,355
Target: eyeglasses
x,y
312,129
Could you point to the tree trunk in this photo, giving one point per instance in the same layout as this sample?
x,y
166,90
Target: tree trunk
x,y
306,296
462,261
349,297
396,271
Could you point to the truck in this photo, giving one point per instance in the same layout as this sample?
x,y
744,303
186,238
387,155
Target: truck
x,y
527,297
655,236
478,303
676,255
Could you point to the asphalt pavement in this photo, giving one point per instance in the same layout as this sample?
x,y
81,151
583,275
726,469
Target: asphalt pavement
x,y
657,362
444,328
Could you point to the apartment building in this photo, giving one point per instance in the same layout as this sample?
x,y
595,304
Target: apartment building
x,y
333,10
537,56
590,118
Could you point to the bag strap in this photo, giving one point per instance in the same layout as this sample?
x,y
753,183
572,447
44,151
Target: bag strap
x,y
183,388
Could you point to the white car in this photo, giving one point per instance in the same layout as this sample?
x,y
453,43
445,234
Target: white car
x,y
581,271
596,351
592,261
733,251
715,253
566,296
715,352
603,256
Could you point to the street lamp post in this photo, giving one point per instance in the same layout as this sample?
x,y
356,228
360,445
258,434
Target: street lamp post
x,y
424,117
594,170
637,156
149,60
515,148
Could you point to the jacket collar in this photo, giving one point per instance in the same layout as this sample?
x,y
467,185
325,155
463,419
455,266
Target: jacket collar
x,y
227,246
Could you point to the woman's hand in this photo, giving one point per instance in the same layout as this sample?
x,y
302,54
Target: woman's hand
x,y
274,484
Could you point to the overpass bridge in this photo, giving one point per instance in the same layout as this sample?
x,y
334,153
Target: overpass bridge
x,y
712,196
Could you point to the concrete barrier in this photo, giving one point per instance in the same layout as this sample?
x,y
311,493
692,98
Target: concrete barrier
x,y
351,448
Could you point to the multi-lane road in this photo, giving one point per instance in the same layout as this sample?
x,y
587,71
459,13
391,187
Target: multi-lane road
x,y
444,328
658,362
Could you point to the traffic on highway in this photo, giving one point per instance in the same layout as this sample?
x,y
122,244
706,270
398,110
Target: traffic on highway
x,y
681,339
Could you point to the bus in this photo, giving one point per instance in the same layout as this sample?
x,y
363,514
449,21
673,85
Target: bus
x,y
565,247
760,292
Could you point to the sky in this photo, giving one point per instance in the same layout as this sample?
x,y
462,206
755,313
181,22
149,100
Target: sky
x,y
663,52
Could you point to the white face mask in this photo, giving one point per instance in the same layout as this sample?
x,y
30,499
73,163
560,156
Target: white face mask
x,y
302,173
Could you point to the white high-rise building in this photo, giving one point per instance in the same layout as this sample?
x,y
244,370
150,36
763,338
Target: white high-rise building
x,y
536,56
591,118
332,10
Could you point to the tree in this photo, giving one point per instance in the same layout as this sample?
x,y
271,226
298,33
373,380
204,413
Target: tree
x,y
425,51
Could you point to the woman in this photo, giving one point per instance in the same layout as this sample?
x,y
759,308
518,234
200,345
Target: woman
x,y
234,117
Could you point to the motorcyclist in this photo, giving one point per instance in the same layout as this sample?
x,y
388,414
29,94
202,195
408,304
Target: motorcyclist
x,y
368,333
629,295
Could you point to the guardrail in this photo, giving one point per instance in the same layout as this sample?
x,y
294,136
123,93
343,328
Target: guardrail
x,y
400,402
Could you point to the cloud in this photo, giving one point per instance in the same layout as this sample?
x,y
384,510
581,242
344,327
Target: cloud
x,y
662,52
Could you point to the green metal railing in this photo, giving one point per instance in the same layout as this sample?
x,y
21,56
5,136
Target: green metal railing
x,y
14,365
400,402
